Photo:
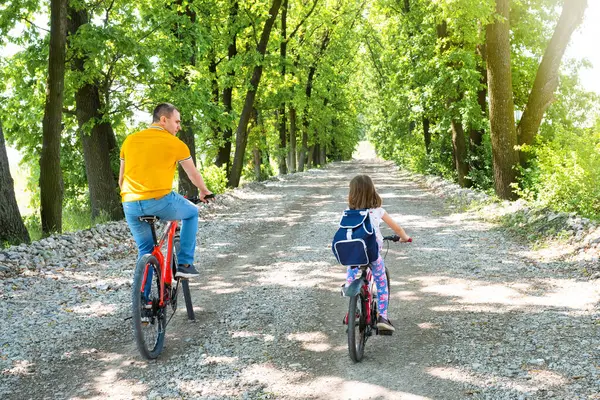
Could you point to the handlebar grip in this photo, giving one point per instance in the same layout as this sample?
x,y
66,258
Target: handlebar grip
x,y
196,199
396,238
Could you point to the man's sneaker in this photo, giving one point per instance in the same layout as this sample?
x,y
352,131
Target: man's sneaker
x,y
384,324
184,271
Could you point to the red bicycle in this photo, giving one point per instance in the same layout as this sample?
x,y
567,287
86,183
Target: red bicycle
x,y
155,288
363,306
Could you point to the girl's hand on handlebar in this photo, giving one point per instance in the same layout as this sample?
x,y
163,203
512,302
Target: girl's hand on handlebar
x,y
396,238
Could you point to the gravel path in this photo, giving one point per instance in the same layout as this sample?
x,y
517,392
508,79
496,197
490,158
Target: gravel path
x,y
478,315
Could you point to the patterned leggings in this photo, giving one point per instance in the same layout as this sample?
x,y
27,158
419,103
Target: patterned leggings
x,y
378,269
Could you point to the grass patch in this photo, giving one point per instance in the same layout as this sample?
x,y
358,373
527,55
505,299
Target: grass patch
x,y
72,219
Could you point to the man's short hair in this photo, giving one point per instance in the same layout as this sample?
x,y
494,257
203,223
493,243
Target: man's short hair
x,y
163,109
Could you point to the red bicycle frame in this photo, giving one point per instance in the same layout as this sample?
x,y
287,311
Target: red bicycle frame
x,y
166,270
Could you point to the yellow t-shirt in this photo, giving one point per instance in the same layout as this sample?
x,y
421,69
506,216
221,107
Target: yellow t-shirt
x,y
150,159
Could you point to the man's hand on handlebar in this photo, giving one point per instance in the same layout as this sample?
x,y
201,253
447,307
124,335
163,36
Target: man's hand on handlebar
x,y
206,197
202,199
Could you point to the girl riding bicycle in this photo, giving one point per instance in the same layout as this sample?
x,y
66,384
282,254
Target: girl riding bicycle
x,y
363,195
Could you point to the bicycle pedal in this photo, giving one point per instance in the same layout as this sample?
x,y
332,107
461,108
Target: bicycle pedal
x,y
384,332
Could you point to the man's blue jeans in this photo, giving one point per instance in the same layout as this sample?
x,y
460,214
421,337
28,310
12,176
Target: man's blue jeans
x,y
170,207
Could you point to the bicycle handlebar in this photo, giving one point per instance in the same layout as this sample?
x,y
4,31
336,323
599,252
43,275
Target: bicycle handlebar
x,y
196,199
396,238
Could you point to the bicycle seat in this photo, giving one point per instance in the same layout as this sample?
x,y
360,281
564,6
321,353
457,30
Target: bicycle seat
x,y
149,218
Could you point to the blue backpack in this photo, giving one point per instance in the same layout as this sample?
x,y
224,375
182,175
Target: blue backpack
x,y
354,243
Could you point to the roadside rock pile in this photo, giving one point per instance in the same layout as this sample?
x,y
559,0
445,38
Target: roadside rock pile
x,y
90,246
581,234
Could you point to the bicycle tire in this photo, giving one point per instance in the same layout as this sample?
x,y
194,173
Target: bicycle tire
x,y
149,333
387,277
174,281
357,327
185,287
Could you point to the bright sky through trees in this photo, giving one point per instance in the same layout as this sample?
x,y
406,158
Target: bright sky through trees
x,y
584,44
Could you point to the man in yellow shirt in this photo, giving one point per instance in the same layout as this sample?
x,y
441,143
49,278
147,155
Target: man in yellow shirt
x,y
148,162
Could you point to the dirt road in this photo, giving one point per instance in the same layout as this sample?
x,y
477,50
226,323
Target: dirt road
x,y
476,314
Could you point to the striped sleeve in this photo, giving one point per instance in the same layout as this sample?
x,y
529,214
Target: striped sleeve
x,y
183,151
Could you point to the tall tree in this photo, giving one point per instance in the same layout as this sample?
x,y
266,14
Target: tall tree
x,y
12,229
51,184
180,79
97,135
224,154
281,113
242,132
459,146
502,120
546,79
304,156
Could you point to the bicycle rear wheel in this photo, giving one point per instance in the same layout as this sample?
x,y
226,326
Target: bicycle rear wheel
x,y
175,281
357,325
149,319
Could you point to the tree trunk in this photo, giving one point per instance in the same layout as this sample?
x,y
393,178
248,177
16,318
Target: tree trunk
x,y
303,153
459,148
186,187
502,120
310,159
51,183
242,131
257,156
282,116
224,155
303,159
12,229
323,155
99,142
103,186
257,161
460,153
476,135
212,70
282,122
546,79
180,80
426,135
292,139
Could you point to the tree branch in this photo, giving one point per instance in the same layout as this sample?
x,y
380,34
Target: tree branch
x,y
253,26
34,25
291,35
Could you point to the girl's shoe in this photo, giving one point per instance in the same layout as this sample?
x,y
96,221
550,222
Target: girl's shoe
x,y
384,324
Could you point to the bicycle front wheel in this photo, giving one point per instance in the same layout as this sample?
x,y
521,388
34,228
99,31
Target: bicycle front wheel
x,y
149,319
357,325
387,277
